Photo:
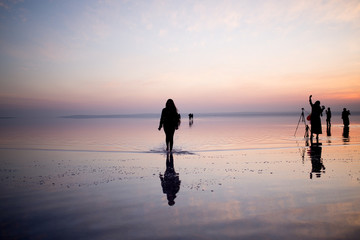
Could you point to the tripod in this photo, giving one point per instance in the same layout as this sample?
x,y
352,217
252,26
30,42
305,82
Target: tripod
x,y
302,119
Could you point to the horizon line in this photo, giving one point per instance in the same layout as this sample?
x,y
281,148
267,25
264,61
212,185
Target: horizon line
x,y
184,114
208,114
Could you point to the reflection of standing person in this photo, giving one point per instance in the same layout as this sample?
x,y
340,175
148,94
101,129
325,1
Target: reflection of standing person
x,y
346,137
315,119
316,161
328,131
170,181
170,120
345,117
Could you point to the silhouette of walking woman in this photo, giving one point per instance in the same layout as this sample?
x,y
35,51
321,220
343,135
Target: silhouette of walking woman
x,y
170,121
315,119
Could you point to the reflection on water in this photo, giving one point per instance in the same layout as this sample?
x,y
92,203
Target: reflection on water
x,y
346,137
170,181
191,122
328,131
318,167
250,194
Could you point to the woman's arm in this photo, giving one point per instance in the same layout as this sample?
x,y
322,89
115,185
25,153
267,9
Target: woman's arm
x,y
178,121
310,101
161,120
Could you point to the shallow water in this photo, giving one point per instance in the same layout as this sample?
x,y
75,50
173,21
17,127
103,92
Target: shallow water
x,y
141,134
238,178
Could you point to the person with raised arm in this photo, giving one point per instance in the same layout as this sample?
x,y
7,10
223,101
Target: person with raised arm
x,y
315,119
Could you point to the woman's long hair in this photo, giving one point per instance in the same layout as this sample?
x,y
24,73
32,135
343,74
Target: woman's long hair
x,y
170,105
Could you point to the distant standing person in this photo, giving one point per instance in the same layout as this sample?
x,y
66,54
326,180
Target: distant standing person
x,y
328,118
315,119
170,121
345,117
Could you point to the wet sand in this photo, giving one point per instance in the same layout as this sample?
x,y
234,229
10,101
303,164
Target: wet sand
x,y
277,193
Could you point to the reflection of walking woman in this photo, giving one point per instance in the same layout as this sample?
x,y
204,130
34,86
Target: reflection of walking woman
x,y
170,120
170,181
316,113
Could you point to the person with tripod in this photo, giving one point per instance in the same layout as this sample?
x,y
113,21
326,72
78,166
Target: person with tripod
x,y
315,119
302,119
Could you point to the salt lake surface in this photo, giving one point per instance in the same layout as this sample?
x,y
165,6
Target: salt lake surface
x,y
230,177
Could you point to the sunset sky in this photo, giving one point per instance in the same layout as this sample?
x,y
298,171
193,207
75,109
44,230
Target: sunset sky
x,y
118,57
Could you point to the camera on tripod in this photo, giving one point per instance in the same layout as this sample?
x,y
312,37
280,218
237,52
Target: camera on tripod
x,y
302,119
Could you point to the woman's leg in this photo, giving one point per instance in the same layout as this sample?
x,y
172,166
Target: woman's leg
x,y
169,139
171,142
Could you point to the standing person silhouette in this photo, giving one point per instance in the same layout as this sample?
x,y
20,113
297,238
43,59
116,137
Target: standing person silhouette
x,y
328,122
328,117
170,120
345,117
315,119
